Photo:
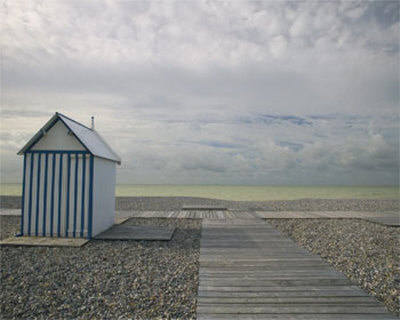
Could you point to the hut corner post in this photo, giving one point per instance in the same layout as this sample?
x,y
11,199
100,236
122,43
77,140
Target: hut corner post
x,y
21,232
90,218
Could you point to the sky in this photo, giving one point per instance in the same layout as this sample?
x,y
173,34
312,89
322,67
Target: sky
x,y
210,92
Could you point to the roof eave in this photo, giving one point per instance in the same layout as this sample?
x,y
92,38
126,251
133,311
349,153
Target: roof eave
x,y
104,158
117,158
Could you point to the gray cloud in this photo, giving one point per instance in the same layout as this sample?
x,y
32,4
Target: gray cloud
x,y
211,92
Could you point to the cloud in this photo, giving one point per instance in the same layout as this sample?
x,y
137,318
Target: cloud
x,y
231,150
211,92
281,119
213,149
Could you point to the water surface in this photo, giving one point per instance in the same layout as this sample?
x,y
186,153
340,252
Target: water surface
x,y
245,193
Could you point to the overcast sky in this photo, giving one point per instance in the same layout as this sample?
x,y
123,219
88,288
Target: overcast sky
x,y
195,92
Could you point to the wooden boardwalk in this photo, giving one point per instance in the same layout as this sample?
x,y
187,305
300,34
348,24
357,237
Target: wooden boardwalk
x,y
190,214
387,218
390,218
248,270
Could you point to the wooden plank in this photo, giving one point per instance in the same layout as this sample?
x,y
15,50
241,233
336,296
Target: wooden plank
x,y
393,220
248,268
44,242
283,250
118,232
329,293
241,235
221,259
243,272
277,288
275,269
273,283
288,300
225,260
226,257
260,278
235,241
280,308
191,207
316,316
262,272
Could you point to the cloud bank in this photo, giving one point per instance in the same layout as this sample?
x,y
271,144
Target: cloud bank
x,y
211,92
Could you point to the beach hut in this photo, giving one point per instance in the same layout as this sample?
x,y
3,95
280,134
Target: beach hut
x,y
68,185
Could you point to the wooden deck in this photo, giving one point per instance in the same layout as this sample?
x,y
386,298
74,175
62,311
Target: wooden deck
x,y
43,242
202,208
387,218
190,214
390,218
248,270
121,232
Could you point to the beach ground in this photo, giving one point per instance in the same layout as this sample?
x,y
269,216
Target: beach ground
x,y
143,279
176,203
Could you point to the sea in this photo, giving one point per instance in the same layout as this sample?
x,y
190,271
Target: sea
x,y
244,193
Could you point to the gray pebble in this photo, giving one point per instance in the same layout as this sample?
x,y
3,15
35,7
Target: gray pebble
x,y
367,253
104,279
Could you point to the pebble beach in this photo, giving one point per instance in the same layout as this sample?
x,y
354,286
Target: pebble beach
x,y
103,279
176,203
158,280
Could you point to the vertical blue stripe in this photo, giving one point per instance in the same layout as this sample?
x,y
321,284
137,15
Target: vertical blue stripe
x,y
59,195
38,194
30,194
46,166
90,219
83,194
53,174
23,198
76,193
68,187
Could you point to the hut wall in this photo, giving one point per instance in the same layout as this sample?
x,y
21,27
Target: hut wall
x,y
56,193
104,179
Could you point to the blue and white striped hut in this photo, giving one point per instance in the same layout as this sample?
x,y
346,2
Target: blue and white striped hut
x,y
68,186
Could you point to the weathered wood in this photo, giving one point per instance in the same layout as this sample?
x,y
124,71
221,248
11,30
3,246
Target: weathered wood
x,y
263,261
289,300
254,269
390,218
316,316
284,294
277,272
249,270
261,278
44,242
237,240
301,308
276,288
121,232
199,207
240,282
387,218
257,260
252,250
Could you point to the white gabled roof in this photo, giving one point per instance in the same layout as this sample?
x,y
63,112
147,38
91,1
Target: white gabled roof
x,y
88,137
